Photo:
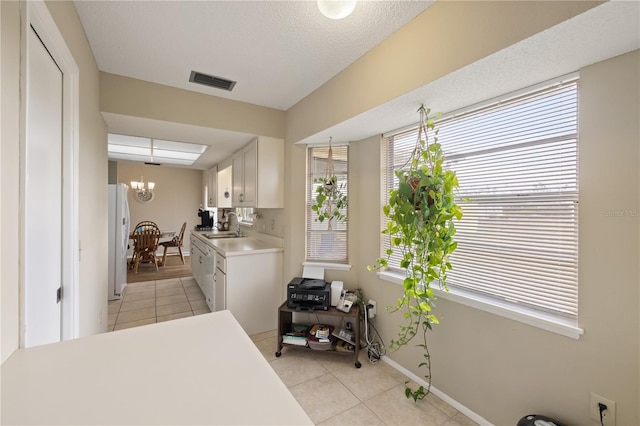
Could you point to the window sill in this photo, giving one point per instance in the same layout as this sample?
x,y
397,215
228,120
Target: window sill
x,y
328,265
517,313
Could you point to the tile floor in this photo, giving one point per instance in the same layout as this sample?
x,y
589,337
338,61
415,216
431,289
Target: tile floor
x,y
328,387
333,392
155,301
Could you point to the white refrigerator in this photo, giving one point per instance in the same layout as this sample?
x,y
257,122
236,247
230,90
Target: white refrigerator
x,y
118,239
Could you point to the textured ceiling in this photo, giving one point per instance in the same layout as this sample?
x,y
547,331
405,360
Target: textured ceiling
x,y
277,51
280,51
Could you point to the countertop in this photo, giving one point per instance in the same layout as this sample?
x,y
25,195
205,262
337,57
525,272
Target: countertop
x,y
238,246
197,370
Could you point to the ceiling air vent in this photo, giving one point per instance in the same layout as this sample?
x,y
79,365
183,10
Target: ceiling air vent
x,y
211,80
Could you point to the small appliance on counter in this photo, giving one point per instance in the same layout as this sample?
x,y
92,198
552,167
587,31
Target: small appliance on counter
x,y
308,294
206,220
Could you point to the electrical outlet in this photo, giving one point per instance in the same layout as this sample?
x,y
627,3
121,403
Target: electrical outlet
x,y
608,415
372,311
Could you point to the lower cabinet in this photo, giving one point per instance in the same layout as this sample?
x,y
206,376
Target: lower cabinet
x,y
203,268
250,286
197,257
208,276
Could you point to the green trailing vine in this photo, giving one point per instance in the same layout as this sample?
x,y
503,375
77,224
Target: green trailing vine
x,y
421,214
331,200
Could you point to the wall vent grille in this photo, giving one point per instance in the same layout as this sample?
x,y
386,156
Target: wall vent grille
x,y
211,81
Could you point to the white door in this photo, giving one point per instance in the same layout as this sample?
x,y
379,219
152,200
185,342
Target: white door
x,y
42,196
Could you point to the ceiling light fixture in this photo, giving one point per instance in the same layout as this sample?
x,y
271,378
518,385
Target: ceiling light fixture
x,y
153,151
143,193
336,9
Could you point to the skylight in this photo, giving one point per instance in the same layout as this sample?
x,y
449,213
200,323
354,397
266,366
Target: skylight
x,y
134,148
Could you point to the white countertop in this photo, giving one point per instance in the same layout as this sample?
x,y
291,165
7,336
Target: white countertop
x,y
196,370
238,246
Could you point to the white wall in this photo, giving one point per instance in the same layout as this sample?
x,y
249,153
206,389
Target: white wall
x,y
93,195
92,157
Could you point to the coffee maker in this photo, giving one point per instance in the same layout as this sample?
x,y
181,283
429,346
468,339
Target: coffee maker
x,y
206,220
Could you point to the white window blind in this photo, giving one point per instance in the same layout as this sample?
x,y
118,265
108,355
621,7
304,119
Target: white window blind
x,y
517,165
324,244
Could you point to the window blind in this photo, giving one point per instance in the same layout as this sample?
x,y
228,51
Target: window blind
x,y
323,244
517,165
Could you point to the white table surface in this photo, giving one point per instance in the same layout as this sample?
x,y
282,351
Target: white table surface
x,y
197,370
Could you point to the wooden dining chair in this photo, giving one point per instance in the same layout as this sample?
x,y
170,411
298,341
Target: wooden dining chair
x,y
145,225
145,243
176,242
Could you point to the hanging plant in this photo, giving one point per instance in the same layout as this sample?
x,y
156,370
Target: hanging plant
x,y
331,201
420,226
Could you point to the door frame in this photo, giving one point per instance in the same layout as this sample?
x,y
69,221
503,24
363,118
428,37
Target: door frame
x,y
35,13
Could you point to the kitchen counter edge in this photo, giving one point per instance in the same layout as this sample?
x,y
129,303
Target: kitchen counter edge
x,y
241,246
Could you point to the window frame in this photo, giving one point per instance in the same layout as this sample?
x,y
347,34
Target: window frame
x,y
313,227
533,316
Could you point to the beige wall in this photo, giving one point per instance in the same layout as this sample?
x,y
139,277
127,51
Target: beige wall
x,y
178,195
138,98
10,175
502,369
92,157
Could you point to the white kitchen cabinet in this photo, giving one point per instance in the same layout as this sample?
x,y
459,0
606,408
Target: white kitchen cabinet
x,y
225,182
208,276
212,187
244,176
250,286
220,284
258,174
197,256
203,268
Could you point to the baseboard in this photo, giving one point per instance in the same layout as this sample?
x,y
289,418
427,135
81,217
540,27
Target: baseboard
x,y
443,396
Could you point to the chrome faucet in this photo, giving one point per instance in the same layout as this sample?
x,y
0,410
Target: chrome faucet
x,y
238,230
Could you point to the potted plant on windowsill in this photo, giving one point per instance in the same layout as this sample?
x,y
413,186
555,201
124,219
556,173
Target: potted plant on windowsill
x,y
421,213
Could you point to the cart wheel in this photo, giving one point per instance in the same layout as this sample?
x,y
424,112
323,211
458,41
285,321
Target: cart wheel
x,y
358,365
278,354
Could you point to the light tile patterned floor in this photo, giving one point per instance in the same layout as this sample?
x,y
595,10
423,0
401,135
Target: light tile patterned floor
x,y
333,392
328,387
156,301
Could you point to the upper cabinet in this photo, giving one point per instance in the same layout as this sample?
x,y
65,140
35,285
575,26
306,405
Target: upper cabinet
x,y
225,182
212,187
258,174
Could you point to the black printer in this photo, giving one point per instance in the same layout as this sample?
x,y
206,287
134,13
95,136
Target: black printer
x,y
308,294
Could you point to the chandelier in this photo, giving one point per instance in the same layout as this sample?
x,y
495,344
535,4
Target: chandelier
x,y
143,193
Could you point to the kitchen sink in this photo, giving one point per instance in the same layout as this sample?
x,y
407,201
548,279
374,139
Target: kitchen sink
x,y
216,236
